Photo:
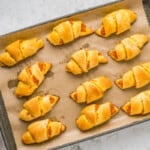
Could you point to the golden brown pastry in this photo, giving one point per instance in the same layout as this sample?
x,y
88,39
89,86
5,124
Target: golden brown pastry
x,y
84,60
116,22
41,131
92,90
129,47
68,31
139,104
95,115
37,106
20,50
137,77
31,77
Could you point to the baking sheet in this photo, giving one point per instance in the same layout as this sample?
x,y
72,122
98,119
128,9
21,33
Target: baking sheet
x,y
59,82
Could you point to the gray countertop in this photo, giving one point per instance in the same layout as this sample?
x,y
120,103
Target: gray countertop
x,y
18,14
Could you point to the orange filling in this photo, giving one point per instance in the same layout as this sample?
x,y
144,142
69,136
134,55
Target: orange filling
x,y
70,21
99,53
112,108
41,66
75,96
102,31
96,107
49,131
28,70
129,109
88,65
83,27
35,80
120,83
113,54
52,100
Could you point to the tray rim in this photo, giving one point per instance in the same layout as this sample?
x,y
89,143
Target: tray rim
x,y
8,138
2,104
105,133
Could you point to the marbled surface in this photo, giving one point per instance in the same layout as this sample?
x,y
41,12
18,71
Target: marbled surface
x,y
18,14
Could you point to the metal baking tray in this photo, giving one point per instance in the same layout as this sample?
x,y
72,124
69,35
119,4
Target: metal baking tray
x,y
67,110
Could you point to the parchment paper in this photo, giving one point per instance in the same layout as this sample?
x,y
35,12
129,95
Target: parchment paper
x,y
61,83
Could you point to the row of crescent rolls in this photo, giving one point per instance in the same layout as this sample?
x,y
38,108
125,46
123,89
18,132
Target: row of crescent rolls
x,y
116,22
30,79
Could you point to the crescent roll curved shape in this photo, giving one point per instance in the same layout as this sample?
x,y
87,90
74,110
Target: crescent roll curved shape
x,y
128,48
91,90
68,31
138,105
31,77
20,50
84,60
37,106
116,22
138,76
95,115
41,131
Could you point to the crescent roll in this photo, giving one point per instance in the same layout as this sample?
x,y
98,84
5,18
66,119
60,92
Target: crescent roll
x,y
68,31
138,105
116,22
84,60
20,50
138,76
95,115
41,131
91,90
128,48
31,77
37,106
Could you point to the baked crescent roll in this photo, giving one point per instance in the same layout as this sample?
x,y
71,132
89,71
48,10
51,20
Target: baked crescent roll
x,y
37,106
95,115
128,48
91,90
41,131
139,104
84,60
31,77
116,22
137,77
68,31
20,50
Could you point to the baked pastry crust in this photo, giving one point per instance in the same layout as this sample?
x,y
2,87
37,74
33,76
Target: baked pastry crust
x,y
138,76
68,31
92,90
20,50
37,106
84,60
138,105
95,115
128,48
41,131
31,77
116,22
